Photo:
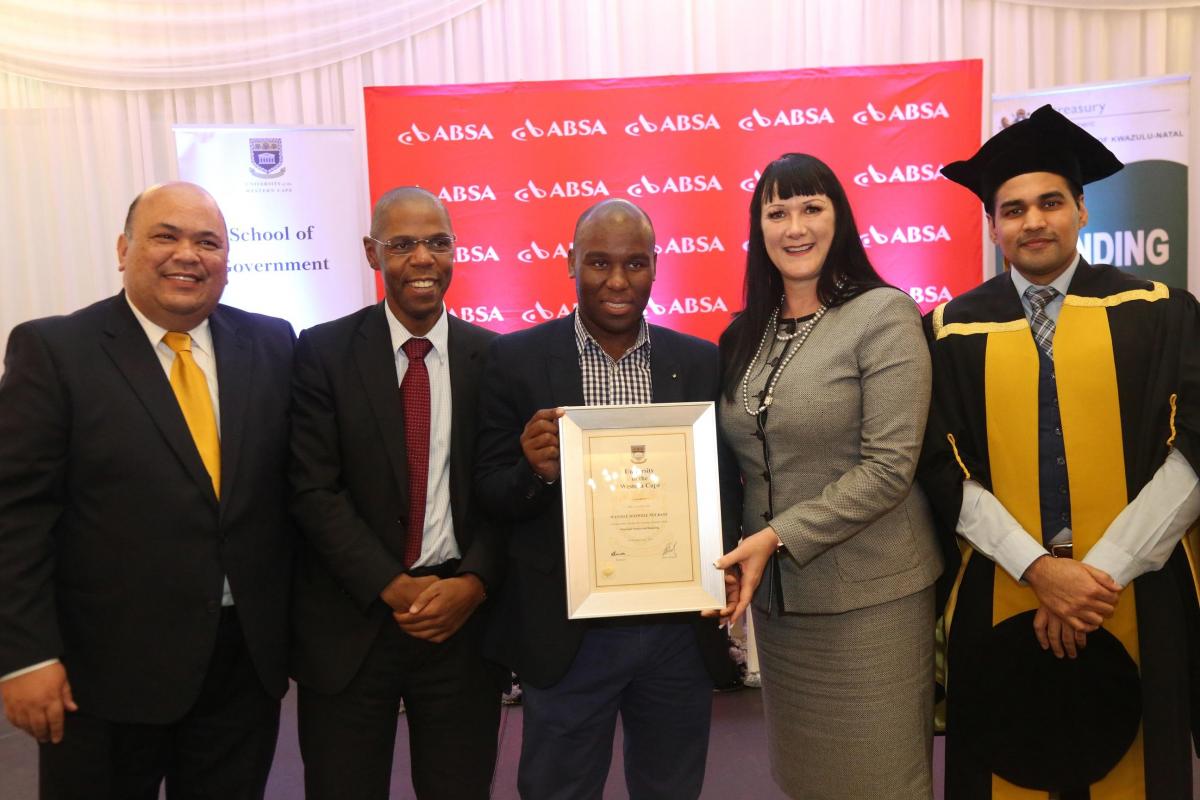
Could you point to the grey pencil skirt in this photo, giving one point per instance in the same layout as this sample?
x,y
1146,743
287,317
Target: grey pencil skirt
x,y
849,700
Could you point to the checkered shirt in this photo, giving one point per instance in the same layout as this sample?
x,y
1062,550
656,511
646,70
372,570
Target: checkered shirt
x,y
609,382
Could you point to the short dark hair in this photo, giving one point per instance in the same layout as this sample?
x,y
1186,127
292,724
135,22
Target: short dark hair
x,y
1072,184
609,206
129,215
398,195
847,270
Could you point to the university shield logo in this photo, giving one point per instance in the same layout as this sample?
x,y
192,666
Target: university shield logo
x,y
266,158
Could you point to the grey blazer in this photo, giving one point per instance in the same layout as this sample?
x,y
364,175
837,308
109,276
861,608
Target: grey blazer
x,y
844,432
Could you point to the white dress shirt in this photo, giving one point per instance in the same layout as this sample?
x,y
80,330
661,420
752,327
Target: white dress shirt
x,y
202,353
438,544
1138,541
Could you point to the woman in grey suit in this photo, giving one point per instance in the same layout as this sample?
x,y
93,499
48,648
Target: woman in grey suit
x,y
826,388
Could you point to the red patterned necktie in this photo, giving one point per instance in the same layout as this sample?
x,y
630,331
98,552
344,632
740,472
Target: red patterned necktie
x,y
414,395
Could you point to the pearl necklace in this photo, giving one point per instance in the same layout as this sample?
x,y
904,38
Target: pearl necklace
x,y
794,340
796,330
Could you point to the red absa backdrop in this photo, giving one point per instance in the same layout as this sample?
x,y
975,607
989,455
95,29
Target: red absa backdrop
x,y
516,164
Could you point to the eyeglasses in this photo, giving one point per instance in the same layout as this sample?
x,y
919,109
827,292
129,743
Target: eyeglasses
x,y
406,245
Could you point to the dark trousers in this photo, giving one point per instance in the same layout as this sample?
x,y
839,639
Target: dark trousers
x,y
221,749
452,704
654,676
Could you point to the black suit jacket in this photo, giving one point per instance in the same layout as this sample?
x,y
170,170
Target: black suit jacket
x,y
349,476
112,542
535,369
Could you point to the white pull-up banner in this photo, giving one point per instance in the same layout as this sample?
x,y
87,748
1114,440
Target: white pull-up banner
x,y
1138,218
296,214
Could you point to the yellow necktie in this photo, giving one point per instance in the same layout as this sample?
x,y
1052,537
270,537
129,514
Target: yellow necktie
x,y
191,390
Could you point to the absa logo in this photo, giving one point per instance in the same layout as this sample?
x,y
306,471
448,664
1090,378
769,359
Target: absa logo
x,y
706,304
675,123
539,313
748,184
475,254
680,184
911,234
469,132
565,127
930,294
535,252
690,245
477,313
785,118
904,112
901,173
469,194
531,191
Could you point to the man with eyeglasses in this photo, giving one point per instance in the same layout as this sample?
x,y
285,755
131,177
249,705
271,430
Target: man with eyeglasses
x,y
657,670
397,560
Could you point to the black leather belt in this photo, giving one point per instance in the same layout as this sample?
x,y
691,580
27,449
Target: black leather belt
x,y
1061,550
444,570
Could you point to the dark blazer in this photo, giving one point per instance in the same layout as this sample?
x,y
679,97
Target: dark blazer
x,y
112,542
349,476
535,369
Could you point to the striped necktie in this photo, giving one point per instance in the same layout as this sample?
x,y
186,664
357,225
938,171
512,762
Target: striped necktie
x,y
191,390
1039,322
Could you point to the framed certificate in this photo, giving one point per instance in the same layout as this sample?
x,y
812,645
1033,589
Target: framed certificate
x,y
641,509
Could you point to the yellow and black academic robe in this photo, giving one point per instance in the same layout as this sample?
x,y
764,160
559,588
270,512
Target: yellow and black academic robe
x,y
1127,361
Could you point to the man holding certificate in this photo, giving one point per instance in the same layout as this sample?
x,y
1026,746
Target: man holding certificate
x,y
657,670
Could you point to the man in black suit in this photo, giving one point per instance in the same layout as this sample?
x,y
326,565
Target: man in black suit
x,y
145,545
398,560
657,671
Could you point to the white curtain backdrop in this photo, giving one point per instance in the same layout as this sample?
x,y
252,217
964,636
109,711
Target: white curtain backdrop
x,y
89,90
154,45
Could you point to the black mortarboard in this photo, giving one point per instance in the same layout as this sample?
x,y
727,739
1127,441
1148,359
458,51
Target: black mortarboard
x,y
1042,722
1046,141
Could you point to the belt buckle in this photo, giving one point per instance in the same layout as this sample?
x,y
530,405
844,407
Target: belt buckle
x,y
1061,550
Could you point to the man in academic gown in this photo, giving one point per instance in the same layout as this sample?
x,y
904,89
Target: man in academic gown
x,y
1062,449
